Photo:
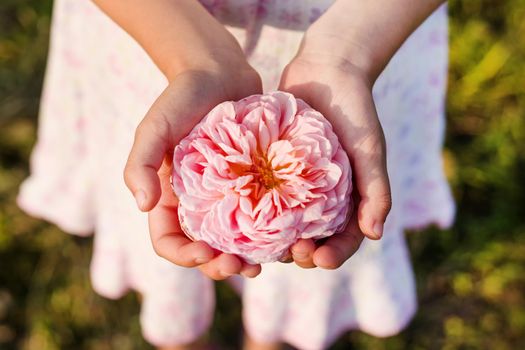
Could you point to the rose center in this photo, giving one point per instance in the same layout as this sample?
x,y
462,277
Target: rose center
x,y
263,171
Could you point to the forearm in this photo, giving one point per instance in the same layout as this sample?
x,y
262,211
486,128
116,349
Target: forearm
x,y
178,35
366,33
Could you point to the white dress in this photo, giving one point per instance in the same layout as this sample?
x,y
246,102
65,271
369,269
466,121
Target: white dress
x,y
100,84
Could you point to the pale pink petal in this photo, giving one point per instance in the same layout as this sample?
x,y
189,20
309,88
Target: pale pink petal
x,y
246,205
314,210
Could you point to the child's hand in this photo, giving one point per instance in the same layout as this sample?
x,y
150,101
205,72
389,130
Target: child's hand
x,y
205,66
181,106
342,93
341,55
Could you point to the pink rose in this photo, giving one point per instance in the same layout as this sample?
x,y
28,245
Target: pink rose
x,y
256,175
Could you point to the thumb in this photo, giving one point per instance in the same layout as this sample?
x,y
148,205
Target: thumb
x,y
150,146
175,112
169,119
373,185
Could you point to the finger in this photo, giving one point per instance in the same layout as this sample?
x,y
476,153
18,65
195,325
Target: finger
x,y
167,237
302,253
222,267
181,251
250,271
339,247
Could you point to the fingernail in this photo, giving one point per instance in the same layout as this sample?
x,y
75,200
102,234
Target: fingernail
x,y
378,229
226,274
201,260
140,198
243,273
286,260
299,255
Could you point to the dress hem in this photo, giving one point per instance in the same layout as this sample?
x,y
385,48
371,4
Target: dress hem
x,y
37,208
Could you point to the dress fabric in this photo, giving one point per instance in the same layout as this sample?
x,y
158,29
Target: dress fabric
x,y
100,83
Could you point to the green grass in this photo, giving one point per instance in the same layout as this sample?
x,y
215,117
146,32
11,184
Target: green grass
x,y
471,278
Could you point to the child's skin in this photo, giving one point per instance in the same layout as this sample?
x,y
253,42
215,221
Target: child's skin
x,y
339,60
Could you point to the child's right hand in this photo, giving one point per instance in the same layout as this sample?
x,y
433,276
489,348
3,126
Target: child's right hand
x,y
205,66
187,99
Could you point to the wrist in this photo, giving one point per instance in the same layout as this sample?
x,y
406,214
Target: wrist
x,y
232,77
365,34
351,55
332,53
221,59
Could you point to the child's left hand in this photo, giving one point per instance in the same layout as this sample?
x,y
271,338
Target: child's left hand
x,y
343,94
341,55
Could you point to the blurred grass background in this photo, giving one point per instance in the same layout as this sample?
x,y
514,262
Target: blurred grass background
x,y
471,279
